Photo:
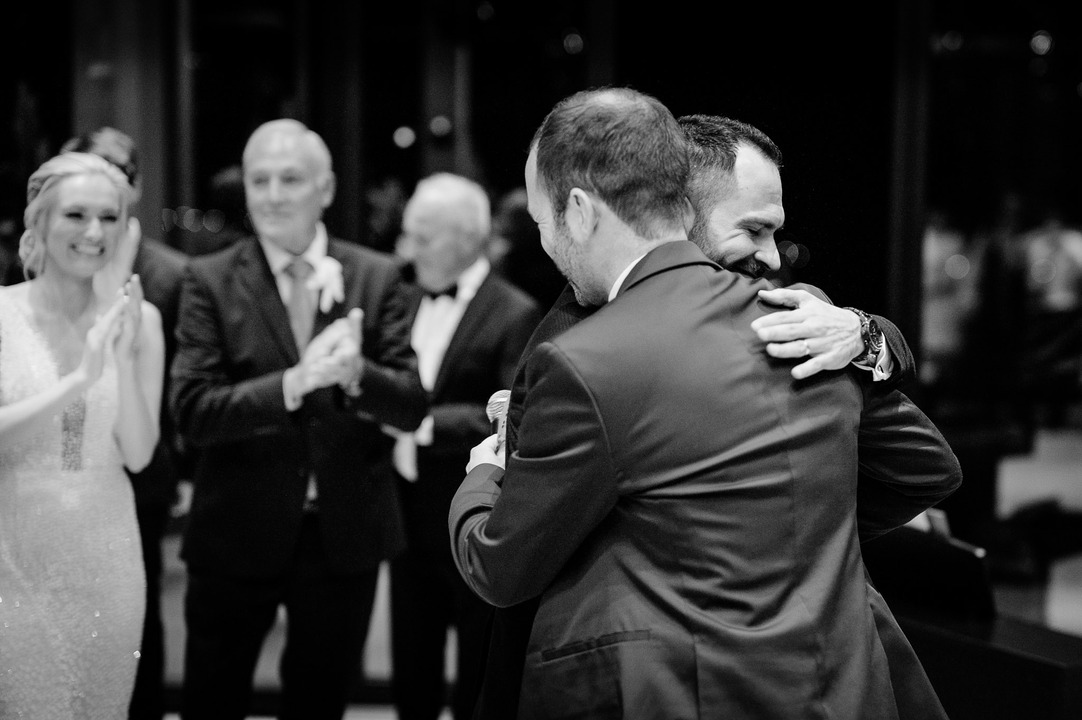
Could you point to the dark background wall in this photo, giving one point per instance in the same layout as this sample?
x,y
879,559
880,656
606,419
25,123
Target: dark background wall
x,y
879,108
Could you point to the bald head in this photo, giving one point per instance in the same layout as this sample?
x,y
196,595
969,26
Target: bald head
x,y
288,183
276,135
446,224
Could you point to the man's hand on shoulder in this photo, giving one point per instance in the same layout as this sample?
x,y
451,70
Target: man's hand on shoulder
x,y
827,335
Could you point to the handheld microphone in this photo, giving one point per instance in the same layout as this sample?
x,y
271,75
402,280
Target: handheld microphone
x,y
497,415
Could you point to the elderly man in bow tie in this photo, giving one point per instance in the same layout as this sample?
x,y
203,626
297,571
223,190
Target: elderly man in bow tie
x,y
293,349
469,328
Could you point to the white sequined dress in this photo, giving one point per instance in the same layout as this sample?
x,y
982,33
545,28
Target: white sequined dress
x,y
71,573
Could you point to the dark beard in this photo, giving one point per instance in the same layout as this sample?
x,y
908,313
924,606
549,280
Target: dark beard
x,y
751,267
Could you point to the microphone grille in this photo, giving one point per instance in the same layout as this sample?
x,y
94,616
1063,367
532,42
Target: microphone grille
x,y
497,404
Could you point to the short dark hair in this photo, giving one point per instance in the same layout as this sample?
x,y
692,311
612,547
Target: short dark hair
x,y
111,144
712,143
623,146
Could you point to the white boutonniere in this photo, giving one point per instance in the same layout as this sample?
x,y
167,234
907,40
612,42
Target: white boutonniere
x,y
327,278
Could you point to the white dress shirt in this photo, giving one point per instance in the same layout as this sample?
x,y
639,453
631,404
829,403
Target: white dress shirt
x,y
433,327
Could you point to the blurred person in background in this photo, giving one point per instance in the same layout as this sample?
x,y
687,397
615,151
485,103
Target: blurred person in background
x,y
293,348
469,328
516,253
80,389
1053,355
160,269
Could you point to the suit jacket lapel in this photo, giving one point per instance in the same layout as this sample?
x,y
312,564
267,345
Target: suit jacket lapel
x,y
257,277
667,256
470,324
349,277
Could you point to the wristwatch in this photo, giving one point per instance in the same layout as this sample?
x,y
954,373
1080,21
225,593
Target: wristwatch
x,y
872,337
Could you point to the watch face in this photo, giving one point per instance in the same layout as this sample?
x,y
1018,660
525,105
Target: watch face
x,y
875,335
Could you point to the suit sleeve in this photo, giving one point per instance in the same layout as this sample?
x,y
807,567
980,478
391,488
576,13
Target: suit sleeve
x,y
391,391
509,544
906,465
209,407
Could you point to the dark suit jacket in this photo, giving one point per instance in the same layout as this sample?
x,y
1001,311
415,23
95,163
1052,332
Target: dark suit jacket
x,y
698,568
255,458
479,360
161,272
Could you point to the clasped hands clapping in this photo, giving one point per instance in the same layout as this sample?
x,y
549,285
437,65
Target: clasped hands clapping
x,y
117,327
334,356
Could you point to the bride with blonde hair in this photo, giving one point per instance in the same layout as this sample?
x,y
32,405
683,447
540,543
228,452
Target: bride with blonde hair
x,y
80,390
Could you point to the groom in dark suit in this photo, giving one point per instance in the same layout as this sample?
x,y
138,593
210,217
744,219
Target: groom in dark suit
x,y
469,329
685,510
293,349
735,224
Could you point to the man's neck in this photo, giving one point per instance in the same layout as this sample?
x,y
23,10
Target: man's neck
x,y
624,260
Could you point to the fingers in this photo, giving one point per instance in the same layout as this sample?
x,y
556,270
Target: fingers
x,y
787,331
790,350
135,231
107,324
807,369
329,370
134,290
821,356
485,452
114,311
324,343
337,349
786,297
355,318
805,306
128,247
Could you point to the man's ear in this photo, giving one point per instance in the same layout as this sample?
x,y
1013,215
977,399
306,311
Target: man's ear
x,y
329,183
689,215
581,214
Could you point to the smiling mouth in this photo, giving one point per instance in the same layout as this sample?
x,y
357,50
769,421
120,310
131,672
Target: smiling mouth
x,y
85,249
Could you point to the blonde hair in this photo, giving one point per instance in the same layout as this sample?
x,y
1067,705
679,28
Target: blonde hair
x,y
41,197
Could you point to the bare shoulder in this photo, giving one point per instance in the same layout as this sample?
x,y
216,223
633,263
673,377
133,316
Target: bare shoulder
x,y
15,293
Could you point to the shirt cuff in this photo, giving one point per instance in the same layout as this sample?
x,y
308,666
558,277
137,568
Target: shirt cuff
x,y
884,365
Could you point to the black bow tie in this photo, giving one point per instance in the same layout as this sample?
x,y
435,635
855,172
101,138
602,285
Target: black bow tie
x,y
450,291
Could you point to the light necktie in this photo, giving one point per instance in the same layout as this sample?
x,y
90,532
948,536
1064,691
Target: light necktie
x,y
302,308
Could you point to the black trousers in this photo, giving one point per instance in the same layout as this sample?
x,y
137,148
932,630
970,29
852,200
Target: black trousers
x,y
507,635
228,619
427,597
